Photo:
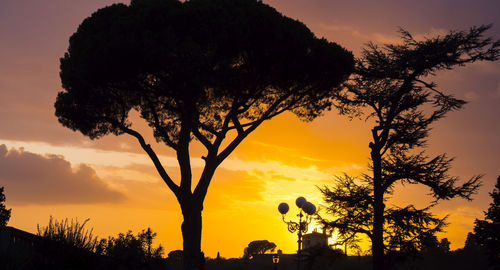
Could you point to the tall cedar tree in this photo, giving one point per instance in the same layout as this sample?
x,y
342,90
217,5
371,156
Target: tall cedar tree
x,y
210,70
4,212
487,231
350,203
390,83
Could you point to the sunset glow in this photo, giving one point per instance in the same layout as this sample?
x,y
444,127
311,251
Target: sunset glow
x,y
112,182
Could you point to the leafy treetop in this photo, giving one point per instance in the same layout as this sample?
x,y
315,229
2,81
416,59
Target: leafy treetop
x,y
191,74
258,247
391,82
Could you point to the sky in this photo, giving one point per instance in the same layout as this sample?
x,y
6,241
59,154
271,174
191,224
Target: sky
x,y
48,170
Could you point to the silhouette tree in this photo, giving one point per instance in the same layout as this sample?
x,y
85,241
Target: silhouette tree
x,y
321,257
406,230
175,255
131,252
175,259
470,242
390,85
487,231
146,238
4,212
444,245
258,247
210,70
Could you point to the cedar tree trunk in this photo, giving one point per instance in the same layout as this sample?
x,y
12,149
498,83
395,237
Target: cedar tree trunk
x,y
378,211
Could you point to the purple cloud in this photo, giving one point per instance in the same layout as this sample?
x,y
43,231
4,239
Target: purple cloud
x,y
31,178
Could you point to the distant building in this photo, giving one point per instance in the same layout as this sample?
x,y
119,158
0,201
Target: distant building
x,y
11,237
315,239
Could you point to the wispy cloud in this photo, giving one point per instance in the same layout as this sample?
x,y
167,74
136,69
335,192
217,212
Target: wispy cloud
x,y
378,37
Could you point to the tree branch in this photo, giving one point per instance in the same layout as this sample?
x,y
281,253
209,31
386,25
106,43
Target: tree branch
x,y
159,167
266,115
208,145
237,124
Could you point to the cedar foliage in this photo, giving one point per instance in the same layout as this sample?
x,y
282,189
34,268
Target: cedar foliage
x,y
391,86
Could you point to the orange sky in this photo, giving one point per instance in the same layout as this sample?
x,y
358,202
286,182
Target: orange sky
x,y
49,170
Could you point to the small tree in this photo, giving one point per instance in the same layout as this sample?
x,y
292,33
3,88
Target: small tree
x,y
444,245
258,247
210,70
487,231
390,85
146,238
4,212
130,251
175,255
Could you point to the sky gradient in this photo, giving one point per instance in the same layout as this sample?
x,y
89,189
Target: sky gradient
x,y
49,170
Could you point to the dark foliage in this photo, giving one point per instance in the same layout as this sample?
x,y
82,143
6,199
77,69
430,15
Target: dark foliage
x,y
320,257
77,248
4,212
65,245
128,251
258,247
391,86
487,231
471,243
210,70
68,234
69,245
175,255
406,230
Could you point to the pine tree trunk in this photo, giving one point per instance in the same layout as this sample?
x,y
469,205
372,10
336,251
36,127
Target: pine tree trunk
x,y
192,256
378,214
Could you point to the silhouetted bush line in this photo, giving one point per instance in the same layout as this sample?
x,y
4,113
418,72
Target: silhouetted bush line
x,y
135,251
70,245
132,252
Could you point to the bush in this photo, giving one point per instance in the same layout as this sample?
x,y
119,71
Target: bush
x,y
128,251
72,234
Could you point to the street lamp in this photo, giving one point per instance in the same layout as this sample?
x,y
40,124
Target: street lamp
x,y
306,208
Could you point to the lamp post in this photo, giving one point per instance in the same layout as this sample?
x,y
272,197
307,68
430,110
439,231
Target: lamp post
x,y
307,209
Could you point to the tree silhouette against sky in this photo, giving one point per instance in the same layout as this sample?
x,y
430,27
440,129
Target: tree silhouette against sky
x,y
4,212
487,231
258,247
210,70
350,203
391,87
